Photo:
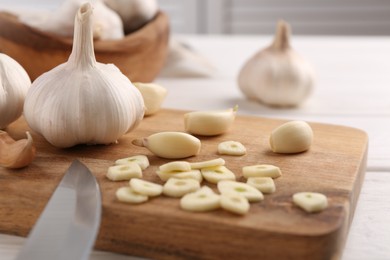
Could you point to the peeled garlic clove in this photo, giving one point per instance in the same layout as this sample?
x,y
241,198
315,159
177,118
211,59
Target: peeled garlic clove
x,y
277,75
209,123
16,154
291,137
14,84
153,96
171,145
83,101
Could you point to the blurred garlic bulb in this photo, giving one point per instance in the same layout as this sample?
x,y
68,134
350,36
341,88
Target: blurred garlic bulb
x,y
277,75
107,25
83,101
134,13
14,84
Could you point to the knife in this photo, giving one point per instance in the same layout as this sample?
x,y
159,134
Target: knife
x,y
69,224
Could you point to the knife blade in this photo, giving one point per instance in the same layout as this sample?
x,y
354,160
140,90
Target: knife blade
x,y
69,224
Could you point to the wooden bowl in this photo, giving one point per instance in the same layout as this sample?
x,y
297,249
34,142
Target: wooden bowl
x,y
139,55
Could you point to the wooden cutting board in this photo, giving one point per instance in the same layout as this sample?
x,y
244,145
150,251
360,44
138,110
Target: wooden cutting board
x,y
273,229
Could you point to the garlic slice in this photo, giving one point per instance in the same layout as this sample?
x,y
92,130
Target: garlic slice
x,y
192,174
261,170
201,200
146,188
179,187
235,203
83,101
231,148
141,160
207,164
263,184
310,201
16,154
128,195
217,174
124,172
176,166
250,193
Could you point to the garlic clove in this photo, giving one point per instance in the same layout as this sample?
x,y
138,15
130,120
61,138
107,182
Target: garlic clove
x,y
209,123
16,154
291,137
171,145
153,96
277,75
83,101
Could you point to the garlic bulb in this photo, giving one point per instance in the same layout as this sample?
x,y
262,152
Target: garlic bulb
x,y
107,25
134,13
83,101
14,84
277,75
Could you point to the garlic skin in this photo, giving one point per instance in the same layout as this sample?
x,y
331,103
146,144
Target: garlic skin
x,y
83,101
107,24
16,154
277,76
14,84
134,13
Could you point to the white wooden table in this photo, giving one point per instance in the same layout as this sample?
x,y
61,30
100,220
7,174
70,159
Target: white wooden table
x,y
353,89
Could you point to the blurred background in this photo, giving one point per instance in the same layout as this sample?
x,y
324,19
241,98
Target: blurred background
x,y
307,17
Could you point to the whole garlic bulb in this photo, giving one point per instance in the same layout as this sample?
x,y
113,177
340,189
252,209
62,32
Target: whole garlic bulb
x,y
83,101
134,13
107,24
14,84
277,75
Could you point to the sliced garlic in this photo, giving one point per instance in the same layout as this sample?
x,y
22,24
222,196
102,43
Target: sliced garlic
x,y
141,160
250,193
128,195
178,187
207,164
209,123
263,184
192,174
146,188
171,145
217,174
124,172
235,203
261,170
291,137
310,201
153,96
179,166
201,200
231,148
